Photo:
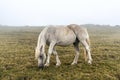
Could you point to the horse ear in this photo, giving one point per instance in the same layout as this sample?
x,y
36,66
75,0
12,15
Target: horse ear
x,y
41,48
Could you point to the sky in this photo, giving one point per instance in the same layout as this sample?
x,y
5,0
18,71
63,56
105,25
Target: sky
x,y
59,12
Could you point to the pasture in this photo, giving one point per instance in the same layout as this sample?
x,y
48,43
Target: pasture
x,y
17,60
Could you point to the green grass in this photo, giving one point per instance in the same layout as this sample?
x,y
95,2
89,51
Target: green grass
x,y
17,56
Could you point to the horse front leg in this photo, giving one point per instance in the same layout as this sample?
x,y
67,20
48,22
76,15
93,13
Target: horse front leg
x,y
50,50
57,57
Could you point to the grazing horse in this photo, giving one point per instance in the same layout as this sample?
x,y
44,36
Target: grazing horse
x,y
62,36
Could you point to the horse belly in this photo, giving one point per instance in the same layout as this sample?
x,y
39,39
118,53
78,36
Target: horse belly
x,y
66,40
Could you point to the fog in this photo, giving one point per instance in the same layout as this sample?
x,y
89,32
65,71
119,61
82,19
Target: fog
x,y
59,12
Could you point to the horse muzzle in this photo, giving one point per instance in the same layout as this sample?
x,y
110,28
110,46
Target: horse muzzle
x,y
41,66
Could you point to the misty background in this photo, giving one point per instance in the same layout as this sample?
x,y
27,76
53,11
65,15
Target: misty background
x,y
59,12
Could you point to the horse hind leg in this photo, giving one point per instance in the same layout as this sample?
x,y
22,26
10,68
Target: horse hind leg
x,y
87,48
76,46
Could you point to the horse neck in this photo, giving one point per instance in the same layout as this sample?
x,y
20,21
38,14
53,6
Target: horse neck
x,y
41,42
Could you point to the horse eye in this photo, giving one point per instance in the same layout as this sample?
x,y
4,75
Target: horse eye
x,y
41,56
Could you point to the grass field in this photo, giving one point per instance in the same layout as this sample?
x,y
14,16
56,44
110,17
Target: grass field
x,y
17,56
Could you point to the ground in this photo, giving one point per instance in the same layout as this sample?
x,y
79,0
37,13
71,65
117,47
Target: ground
x,y
17,60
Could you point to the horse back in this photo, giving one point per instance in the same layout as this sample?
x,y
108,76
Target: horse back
x,y
62,35
79,31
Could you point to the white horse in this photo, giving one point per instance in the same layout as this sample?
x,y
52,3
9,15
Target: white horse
x,y
62,36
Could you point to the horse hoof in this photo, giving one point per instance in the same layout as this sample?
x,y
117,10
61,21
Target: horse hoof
x,y
57,65
46,65
89,62
73,63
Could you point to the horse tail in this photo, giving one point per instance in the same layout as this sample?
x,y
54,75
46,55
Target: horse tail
x,y
88,42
